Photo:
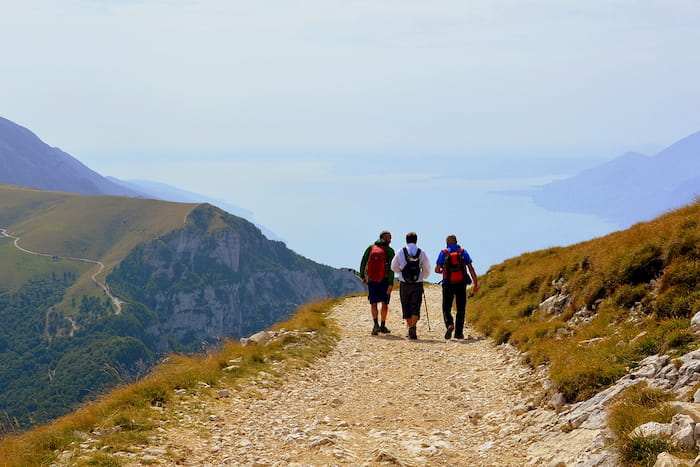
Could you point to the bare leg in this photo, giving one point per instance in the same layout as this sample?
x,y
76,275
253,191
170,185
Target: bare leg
x,y
385,311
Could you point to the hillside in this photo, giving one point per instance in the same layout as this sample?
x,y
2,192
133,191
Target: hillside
x,y
630,188
604,339
183,276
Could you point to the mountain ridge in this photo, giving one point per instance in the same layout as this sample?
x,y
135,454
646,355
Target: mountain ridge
x,y
185,275
25,160
632,187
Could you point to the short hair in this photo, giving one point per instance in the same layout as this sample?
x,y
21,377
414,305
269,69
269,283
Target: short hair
x,y
411,237
383,233
451,239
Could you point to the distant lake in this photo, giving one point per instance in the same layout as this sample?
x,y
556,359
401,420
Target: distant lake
x,y
333,220
330,210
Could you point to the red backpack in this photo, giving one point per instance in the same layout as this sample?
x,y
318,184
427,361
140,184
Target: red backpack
x,y
454,269
376,264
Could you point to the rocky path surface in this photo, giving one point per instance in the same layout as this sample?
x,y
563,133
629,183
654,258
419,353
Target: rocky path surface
x,y
375,400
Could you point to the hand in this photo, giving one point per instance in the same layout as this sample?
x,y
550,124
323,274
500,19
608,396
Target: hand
x,y
388,291
476,288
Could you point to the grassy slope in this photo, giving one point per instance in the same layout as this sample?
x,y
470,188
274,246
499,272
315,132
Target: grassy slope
x,y
18,267
125,415
638,287
102,228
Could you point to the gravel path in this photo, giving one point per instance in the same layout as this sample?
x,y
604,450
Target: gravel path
x,y
373,400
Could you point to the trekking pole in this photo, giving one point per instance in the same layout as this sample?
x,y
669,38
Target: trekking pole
x,y
427,316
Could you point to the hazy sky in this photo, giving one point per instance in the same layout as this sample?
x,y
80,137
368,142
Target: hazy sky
x,y
249,100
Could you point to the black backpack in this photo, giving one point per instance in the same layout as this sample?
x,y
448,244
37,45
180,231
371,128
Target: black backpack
x,y
411,271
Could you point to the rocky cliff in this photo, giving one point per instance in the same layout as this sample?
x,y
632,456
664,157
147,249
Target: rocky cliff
x,y
219,277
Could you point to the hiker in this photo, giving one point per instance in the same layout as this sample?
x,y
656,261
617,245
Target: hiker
x,y
377,275
452,263
413,267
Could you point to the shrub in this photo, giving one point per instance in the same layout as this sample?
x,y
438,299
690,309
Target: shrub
x,y
527,310
644,451
678,341
640,267
677,303
685,274
635,406
627,295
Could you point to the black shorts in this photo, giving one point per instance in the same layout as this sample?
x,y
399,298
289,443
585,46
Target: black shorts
x,y
411,294
378,292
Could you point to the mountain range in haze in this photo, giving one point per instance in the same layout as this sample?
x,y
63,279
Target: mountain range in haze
x,y
25,160
631,188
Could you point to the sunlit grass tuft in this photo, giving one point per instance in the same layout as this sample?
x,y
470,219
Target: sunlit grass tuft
x,y
636,406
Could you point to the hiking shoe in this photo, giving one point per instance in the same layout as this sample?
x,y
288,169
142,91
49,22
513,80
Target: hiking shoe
x,y
448,334
412,333
384,329
375,330
459,336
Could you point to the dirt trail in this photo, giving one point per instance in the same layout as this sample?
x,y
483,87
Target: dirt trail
x,y
374,400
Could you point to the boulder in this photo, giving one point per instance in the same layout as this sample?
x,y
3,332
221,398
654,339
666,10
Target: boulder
x,y
652,430
555,304
667,460
695,323
683,429
259,338
690,409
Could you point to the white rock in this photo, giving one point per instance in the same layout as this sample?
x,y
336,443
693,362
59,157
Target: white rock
x,y
667,460
683,429
653,430
558,401
259,338
695,323
554,304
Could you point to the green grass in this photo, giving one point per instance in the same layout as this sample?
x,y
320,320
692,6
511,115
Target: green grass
x,y
18,267
100,228
636,406
130,407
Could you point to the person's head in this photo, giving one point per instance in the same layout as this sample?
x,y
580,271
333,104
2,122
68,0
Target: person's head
x,y
411,237
385,235
451,239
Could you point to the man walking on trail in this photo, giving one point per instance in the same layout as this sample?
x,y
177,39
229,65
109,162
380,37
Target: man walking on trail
x,y
413,267
376,273
452,263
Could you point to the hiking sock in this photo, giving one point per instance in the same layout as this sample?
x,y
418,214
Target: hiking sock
x,y
376,321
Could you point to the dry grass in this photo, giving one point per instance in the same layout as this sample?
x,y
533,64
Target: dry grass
x,y
125,417
631,294
636,406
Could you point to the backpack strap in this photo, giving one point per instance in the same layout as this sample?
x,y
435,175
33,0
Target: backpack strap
x,y
460,254
406,254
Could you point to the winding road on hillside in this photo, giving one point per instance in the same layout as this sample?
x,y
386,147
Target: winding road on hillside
x,y
374,400
115,300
